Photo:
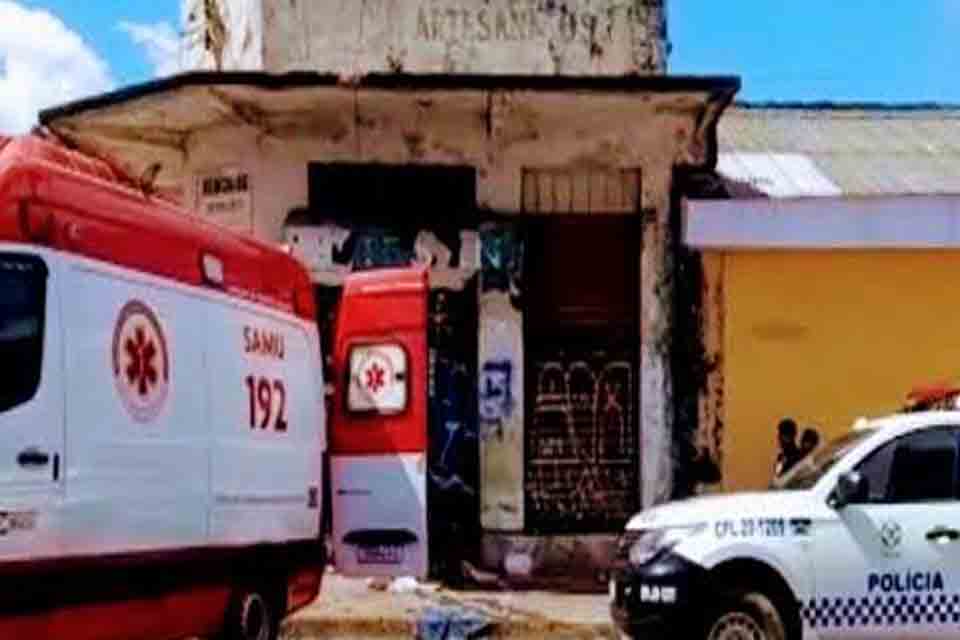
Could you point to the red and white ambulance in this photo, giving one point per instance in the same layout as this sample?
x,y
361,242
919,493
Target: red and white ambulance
x,y
162,422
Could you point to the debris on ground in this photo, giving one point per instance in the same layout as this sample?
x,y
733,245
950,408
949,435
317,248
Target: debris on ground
x,y
378,584
453,623
482,578
406,584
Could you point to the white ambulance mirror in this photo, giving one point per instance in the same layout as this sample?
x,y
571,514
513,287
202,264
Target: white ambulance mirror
x,y
851,487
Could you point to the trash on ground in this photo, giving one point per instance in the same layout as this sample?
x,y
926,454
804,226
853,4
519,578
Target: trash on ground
x,y
453,623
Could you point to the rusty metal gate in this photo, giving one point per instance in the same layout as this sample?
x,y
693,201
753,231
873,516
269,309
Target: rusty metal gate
x,y
581,438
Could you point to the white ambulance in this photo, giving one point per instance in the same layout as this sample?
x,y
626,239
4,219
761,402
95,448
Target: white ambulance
x,y
162,427
862,541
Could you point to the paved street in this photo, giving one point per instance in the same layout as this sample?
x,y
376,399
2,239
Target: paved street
x,y
349,608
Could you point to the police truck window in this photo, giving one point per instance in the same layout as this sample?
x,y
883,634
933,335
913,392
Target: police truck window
x,y
919,467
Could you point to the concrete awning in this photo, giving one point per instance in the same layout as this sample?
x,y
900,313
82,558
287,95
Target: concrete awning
x,y
152,123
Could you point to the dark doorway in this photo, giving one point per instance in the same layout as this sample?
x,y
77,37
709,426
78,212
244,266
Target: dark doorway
x,y
581,328
402,198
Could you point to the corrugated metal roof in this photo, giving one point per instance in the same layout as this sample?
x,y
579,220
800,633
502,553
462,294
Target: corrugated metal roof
x,y
817,150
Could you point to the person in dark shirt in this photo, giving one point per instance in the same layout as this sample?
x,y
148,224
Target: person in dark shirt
x,y
789,454
809,441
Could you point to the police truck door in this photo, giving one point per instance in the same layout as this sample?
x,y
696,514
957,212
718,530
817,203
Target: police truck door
x,y
378,435
889,567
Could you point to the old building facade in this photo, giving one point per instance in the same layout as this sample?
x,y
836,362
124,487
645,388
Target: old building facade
x,y
526,152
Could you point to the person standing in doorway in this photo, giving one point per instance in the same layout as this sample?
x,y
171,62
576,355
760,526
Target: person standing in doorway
x,y
789,453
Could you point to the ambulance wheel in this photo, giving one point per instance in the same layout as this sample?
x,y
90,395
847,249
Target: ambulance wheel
x,y
253,615
745,616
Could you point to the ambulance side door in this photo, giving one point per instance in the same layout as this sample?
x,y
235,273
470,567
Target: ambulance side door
x,y
889,566
378,438
137,434
31,407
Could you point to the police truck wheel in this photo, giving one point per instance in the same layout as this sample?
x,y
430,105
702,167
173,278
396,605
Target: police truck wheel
x,y
253,615
745,616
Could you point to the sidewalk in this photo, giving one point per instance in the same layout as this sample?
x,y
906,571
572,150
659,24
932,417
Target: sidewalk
x,y
349,608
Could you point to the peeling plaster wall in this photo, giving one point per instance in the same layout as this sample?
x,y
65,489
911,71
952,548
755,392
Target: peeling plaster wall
x,y
501,383
709,437
697,380
223,34
278,182
499,133
656,394
571,37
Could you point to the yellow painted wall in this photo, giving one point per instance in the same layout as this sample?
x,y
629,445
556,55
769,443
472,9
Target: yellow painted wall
x,y
826,337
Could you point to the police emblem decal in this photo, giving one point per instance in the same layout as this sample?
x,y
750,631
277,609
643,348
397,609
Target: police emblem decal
x,y
891,535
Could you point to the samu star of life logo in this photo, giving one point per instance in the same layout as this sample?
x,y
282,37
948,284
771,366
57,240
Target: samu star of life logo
x,y
378,378
375,378
141,362
375,374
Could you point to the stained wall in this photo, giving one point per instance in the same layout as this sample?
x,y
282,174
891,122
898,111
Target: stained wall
x,y
354,37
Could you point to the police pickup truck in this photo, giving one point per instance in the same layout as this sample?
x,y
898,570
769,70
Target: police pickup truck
x,y
861,540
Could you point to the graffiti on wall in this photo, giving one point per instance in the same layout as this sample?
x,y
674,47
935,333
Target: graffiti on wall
x,y
501,259
496,395
453,431
332,251
582,447
453,456
500,383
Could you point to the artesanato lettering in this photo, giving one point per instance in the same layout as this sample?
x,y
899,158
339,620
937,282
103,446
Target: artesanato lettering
x,y
517,20
906,582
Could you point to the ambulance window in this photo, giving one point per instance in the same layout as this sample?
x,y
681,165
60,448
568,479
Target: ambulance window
x,y
22,296
920,467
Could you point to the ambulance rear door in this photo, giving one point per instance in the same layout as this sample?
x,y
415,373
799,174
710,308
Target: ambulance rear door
x,y
378,430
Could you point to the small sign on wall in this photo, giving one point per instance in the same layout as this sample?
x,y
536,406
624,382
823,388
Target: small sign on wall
x,y
225,197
